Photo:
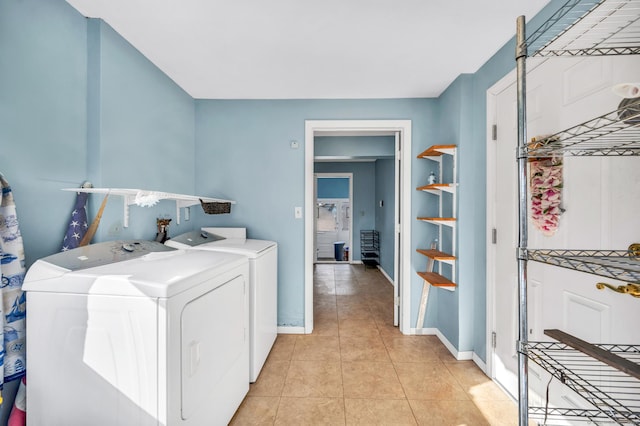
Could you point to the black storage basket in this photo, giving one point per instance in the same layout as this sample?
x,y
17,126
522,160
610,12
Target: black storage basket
x,y
215,207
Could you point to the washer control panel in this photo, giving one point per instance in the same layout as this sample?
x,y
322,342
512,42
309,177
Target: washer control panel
x,y
104,253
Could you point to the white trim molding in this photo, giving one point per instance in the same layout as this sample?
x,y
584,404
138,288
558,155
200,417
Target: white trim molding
x,y
355,128
382,271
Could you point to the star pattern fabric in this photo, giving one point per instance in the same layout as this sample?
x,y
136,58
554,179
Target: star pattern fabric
x,y
77,224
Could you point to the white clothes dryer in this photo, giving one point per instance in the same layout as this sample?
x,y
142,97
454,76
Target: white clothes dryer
x,y
136,333
263,288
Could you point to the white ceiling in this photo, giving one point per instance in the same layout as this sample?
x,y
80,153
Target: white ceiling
x,y
313,49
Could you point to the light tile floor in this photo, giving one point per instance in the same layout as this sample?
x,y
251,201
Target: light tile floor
x,y
357,368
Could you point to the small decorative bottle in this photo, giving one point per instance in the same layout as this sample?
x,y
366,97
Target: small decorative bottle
x,y
432,178
163,233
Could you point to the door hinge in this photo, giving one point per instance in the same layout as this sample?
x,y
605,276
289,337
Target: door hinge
x,y
493,339
494,132
396,301
494,236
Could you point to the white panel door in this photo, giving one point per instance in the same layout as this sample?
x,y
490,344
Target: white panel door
x,y
600,196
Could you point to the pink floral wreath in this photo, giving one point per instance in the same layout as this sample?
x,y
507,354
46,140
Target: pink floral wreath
x,y
546,193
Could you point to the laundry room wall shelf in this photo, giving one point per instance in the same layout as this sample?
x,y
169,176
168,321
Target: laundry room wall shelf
x,y
133,197
443,184
436,153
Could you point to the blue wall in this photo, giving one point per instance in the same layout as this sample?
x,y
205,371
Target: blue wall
x,y
333,187
355,146
141,133
43,118
244,153
453,308
385,215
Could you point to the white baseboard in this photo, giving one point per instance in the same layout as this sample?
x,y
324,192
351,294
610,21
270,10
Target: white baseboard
x,y
385,274
480,363
423,331
460,356
290,330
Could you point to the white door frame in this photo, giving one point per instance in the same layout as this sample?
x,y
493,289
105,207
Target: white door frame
x,y
361,128
315,199
398,236
492,94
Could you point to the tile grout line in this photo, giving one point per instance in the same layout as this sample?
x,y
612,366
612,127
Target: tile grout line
x,y
344,402
285,381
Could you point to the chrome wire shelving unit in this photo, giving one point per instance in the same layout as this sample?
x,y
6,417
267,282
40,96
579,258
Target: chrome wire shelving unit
x,y
615,393
552,416
580,28
589,28
615,264
614,134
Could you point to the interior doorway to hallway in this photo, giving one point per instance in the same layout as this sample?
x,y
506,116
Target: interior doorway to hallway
x,y
333,217
401,131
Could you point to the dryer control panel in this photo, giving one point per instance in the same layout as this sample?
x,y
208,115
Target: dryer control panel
x,y
193,239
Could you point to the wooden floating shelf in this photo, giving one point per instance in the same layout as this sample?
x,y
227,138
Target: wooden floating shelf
x,y
436,255
437,280
448,221
437,151
436,188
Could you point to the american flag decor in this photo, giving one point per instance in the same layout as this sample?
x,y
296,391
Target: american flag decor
x,y
78,224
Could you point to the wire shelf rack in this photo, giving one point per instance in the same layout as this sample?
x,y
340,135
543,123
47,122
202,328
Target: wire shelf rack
x,y
614,393
615,264
561,416
616,133
589,27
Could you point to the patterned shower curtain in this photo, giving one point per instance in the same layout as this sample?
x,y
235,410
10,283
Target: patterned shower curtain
x,y
12,335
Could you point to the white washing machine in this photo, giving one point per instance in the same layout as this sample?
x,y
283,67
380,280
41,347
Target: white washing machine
x,y
136,333
263,278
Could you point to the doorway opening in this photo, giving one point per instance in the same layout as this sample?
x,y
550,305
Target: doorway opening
x,y
401,131
333,217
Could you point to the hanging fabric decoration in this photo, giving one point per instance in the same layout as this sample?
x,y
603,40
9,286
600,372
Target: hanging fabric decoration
x,y
78,223
546,193
12,267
